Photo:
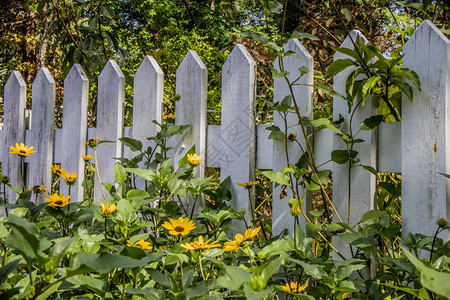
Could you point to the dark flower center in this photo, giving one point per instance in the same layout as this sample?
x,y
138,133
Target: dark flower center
x,y
22,152
59,202
179,229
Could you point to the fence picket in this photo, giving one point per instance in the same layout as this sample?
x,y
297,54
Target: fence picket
x,y
238,125
74,129
281,217
148,100
13,128
191,84
363,183
42,130
425,133
111,93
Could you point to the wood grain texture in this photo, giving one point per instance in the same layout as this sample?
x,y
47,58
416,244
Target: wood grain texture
x,y
363,183
191,85
281,217
111,93
74,129
426,135
238,143
42,130
13,129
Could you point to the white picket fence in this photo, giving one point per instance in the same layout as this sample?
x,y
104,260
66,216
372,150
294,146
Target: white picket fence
x,y
418,146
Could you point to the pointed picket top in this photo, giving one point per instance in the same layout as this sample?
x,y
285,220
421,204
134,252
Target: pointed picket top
x,y
148,98
303,93
74,127
76,74
239,55
348,43
111,95
426,31
425,138
42,129
238,134
111,69
147,105
191,85
15,81
13,127
191,60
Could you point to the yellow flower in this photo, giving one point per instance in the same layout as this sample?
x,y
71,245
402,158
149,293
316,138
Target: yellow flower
x,y
21,150
38,189
293,287
344,295
231,246
200,244
86,157
107,209
58,170
181,226
239,239
193,159
69,177
92,143
143,244
58,200
295,211
247,184
292,136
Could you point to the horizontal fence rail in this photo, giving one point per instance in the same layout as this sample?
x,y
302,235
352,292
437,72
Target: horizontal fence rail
x,y
417,147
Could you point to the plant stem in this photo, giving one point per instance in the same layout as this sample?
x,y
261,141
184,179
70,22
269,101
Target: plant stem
x,y
201,267
432,244
98,175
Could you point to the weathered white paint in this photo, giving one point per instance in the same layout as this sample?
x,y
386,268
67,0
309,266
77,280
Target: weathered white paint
x,y
13,128
426,133
111,93
147,106
42,126
191,84
74,129
281,217
389,152
363,185
238,125
148,100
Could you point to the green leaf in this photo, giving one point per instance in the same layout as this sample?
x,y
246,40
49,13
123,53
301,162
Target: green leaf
x,y
125,212
233,278
4,271
119,173
148,175
337,66
324,123
133,144
369,85
342,156
348,51
433,280
276,133
371,122
326,89
304,35
276,74
312,230
406,89
255,36
275,7
316,213
315,271
137,195
278,177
